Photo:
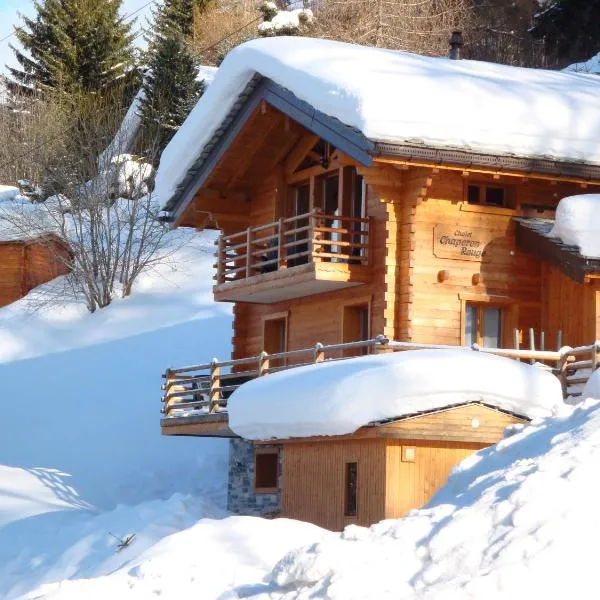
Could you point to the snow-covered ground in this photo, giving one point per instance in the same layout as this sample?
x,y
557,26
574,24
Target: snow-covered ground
x,y
80,430
84,470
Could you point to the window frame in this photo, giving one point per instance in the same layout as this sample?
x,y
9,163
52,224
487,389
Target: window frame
x,y
510,207
510,316
348,514
278,316
357,302
264,452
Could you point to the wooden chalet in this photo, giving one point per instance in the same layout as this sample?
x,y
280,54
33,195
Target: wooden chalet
x,y
329,236
26,263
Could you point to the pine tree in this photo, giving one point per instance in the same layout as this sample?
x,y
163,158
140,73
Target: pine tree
x,y
170,87
570,29
73,45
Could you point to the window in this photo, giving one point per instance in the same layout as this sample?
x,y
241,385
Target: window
x,y
483,325
298,242
485,194
355,327
350,486
266,470
275,337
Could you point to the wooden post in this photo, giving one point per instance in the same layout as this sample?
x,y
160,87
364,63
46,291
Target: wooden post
x,y
532,343
166,399
215,384
281,253
248,252
517,341
559,339
221,260
595,346
563,365
319,354
263,364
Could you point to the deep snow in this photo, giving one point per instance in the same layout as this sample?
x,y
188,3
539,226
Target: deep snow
x,y
81,393
578,223
338,397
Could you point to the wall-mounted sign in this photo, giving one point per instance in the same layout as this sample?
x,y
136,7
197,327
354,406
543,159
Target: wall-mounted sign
x,y
461,243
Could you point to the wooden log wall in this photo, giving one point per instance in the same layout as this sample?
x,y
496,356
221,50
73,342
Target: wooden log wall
x,y
433,285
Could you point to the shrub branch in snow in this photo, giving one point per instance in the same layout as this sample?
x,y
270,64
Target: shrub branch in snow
x,y
105,212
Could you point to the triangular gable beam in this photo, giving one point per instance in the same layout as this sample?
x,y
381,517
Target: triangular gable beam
x,y
350,141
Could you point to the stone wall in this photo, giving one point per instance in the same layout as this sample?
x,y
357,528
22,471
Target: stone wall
x,y
241,498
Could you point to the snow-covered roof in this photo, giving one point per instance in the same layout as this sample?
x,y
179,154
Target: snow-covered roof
x,y
339,397
578,223
14,209
400,98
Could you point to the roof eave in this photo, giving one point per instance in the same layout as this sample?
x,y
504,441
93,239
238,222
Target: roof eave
x,y
349,140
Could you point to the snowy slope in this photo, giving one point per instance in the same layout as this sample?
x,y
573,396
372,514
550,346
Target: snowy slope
x,y
80,430
519,520
402,98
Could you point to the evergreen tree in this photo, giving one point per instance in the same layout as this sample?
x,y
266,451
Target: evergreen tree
x,y
73,45
570,29
170,86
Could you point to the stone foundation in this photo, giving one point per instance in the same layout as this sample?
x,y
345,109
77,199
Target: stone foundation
x,y
241,497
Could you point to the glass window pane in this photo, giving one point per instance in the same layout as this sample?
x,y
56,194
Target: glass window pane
x,y
492,327
471,324
494,196
351,489
473,194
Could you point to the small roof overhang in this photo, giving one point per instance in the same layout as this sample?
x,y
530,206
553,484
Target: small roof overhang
x,y
533,237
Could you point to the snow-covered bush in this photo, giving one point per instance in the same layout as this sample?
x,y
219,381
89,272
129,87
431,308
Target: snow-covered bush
x,y
283,22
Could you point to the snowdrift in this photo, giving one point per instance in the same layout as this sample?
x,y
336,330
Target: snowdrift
x,y
338,397
519,520
397,97
578,223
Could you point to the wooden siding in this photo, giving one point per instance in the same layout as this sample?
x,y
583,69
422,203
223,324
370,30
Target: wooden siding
x,y
473,423
410,485
313,487
573,308
25,265
388,487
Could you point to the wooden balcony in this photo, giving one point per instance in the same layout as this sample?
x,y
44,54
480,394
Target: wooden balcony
x,y
294,257
195,398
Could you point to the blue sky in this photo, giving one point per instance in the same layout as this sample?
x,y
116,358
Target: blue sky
x,y
9,17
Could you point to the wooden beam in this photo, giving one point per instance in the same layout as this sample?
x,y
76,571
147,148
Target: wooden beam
x,y
259,140
297,155
481,170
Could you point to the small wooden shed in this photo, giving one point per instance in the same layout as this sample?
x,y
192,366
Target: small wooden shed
x,y
26,263
381,471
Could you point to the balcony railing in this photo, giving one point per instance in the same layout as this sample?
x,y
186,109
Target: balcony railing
x,y
308,238
203,390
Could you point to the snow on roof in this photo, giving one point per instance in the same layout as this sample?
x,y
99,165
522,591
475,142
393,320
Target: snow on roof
x,y
578,223
14,209
402,98
339,397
